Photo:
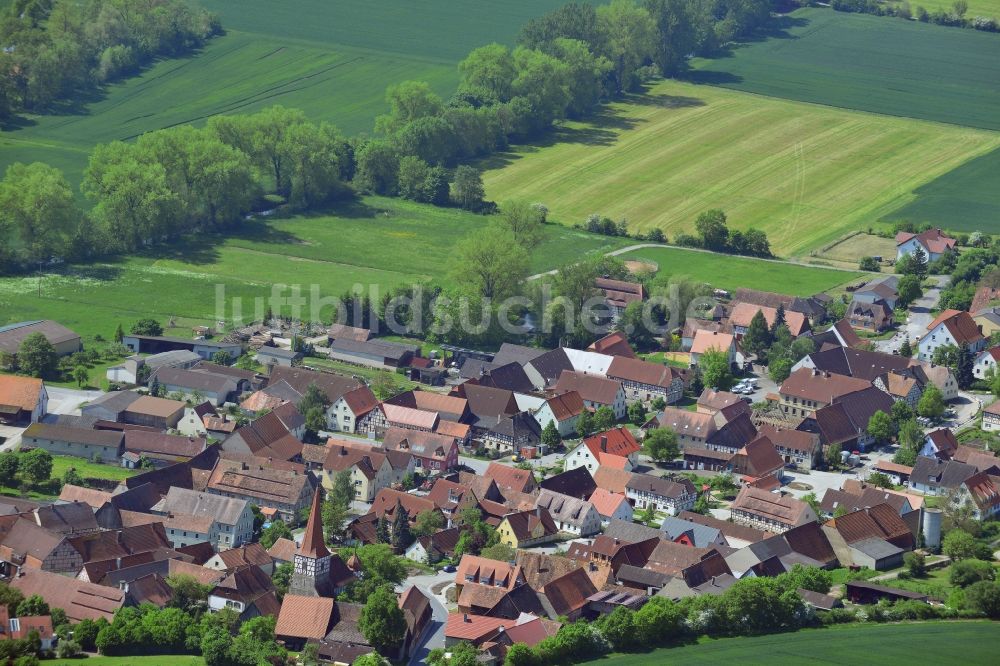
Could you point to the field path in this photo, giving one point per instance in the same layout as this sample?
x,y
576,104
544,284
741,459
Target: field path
x,y
642,246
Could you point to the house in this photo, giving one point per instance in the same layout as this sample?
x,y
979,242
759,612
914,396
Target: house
x,y
882,288
523,529
615,448
983,491
692,325
813,307
371,467
570,514
285,488
432,549
26,545
644,381
874,536
431,452
248,591
743,313
873,317
991,417
450,407
247,555
941,444
201,385
373,353
692,428
80,600
951,327
160,448
155,344
19,628
22,400
987,320
295,381
136,369
103,445
845,422
901,387
842,333
613,344
692,534
418,613
231,519
61,338
737,536
564,410
807,390
618,294
511,478
758,463
544,370
612,480
611,506
267,437
595,391
899,475
985,361
768,511
135,409
932,242
669,495
796,447
268,355
705,340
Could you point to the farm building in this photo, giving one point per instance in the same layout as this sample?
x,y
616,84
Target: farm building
x,y
64,340
155,344
373,353
22,399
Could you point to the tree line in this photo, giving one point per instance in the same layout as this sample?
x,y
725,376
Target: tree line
x,y
953,16
54,50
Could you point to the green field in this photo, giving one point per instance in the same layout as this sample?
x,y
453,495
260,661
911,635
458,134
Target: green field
x,y
976,7
730,273
332,60
871,63
806,174
156,660
377,243
884,645
87,469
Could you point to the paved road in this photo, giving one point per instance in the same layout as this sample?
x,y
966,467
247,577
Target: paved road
x,y
917,320
434,636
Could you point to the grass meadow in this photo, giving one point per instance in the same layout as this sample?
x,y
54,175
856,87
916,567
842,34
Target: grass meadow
x,y
882,644
730,273
804,173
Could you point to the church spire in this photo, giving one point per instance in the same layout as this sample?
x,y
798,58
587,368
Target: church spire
x,y
312,541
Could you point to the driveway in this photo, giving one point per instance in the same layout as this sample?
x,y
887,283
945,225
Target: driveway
x,y
477,465
917,319
434,636
61,401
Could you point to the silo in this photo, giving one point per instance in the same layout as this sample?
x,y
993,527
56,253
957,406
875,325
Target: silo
x,y
932,529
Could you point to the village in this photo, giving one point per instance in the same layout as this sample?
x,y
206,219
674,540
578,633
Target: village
x,y
414,501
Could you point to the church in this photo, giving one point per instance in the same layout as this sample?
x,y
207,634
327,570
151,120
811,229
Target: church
x,y
316,571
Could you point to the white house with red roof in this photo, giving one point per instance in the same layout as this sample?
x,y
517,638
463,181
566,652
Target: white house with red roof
x,y
984,361
611,506
617,449
951,327
932,242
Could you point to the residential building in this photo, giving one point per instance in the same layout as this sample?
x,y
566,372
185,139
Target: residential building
x,y
248,555
618,294
611,506
669,495
26,545
758,463
371,467
873,317
544,370
613,344
523,529
563,409
985,361
615,448
103,445
807,390
570,514
268,355
951,327
644,381
769,511
267,437
22,400
231,520
845,422
136,369
80,600
431,452
882,288
692,428
796,447
595,391
932,476
901,387
706,340
247,591
285,489
509,478
199,385
298,380
991,417
940,443
932,242
743,313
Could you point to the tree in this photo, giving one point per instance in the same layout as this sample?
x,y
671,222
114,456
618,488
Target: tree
x,y
908,289
81,375
757,337
33,605
408,101
468,190
963,367
491,263
428,523
931,403
38,210
880,426
585,424
604,419
188,593
959,545
869,264
37,357
813,502
36,464
880,480
381,621
490,69
551,439
498,551
523,221
146,327
984,597
276,530
520,654
636,413
711,227
333,515
916,564
282,578
377,168
715,369
966,572
342,492
370,659
833,457
905,350
779,369
628,37
660,444
9,461
900,413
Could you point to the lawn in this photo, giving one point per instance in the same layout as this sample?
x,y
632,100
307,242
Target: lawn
x,y
805,174
332,60
155,660
850,249
870,63
377,243
882,644
728,272
87,469
368,374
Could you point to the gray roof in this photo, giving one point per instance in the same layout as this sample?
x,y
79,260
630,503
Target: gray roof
x,y
877,549
12,335
382,348
278,352
198,381
226,510
185,341
115,402
940,474
702,535
519,354
551,364
646,577
169,358
58,433
564,508
630,532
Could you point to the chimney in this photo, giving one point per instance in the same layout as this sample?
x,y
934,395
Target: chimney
x,y
465,617
244,467
604,443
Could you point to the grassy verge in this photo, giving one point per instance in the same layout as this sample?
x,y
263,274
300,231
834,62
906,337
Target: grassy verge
x,y
87,469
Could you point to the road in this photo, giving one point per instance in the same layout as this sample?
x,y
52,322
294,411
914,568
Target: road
x,y
433,636
917,320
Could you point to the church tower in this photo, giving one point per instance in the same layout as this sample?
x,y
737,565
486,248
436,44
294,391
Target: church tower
x,y
311,562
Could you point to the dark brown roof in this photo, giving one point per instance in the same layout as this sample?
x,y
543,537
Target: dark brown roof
x,y
727,528
259,478
163,445
568,594
674,487
591,388
333,385
61,433
80,600
251,554
119,543
488,402
822,387
523,522
576,482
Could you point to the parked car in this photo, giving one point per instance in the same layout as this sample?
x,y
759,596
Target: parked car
x,y
448,568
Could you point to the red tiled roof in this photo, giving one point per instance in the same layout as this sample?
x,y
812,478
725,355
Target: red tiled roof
x,y
606,503
599,390
20,392
304,617
616,442
613,344
468,627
